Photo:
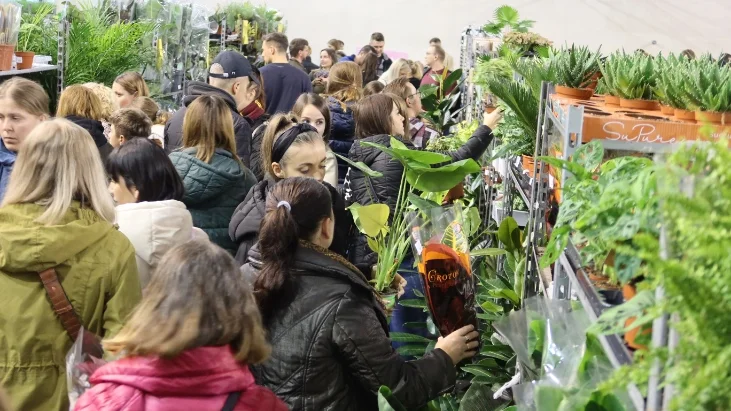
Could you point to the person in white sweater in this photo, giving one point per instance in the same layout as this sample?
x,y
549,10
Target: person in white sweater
x,y
148,190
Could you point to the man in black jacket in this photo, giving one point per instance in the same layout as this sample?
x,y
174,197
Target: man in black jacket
x,y
229,77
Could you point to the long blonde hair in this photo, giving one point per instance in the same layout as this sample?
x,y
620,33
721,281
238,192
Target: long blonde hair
x,y
394,71
345,82
59,163
208,125
196,298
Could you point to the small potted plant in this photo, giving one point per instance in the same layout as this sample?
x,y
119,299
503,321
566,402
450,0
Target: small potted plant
x,y
9,28
576,69
707,89
631,78
31,34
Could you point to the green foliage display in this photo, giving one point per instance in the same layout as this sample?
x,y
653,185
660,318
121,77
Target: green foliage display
x,y
576,66
492,69
101,48
38,30
669,85
694,196
707,86
630,76
604,206
439,101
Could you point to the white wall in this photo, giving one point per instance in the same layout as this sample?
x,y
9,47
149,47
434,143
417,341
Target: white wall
x,y
674,25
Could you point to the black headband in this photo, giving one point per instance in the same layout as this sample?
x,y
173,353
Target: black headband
x,y
282,144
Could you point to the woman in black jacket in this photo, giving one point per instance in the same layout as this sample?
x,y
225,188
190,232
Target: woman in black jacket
x,y
81,106
329,334
254,112
289,150
378,118
344,90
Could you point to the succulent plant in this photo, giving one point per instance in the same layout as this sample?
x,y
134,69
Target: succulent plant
x,y
707,86
576,66
630,76
670,77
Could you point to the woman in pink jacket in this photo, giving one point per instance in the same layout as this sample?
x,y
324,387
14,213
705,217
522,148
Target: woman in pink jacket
x,y
188,344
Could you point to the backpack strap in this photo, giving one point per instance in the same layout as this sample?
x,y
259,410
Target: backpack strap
x,y
60,302
231,401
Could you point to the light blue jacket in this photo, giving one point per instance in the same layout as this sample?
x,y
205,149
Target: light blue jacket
x,y
7,160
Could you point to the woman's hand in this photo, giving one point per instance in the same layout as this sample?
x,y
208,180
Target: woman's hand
x,y
460,344
493,118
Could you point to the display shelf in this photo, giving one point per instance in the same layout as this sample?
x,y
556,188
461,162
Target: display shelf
x,y
522,186
594,306
37,68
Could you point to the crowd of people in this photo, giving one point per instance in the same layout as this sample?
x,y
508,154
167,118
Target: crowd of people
x,y
211,249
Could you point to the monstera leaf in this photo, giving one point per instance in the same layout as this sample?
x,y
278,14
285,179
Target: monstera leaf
x,y
372,219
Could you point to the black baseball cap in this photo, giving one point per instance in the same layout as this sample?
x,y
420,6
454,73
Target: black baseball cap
x,y
234,65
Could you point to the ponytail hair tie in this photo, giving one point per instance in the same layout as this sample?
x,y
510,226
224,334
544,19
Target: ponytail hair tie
x,y
285,204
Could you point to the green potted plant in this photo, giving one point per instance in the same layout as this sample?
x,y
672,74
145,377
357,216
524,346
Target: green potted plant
x,y
707,89
9,27
34,33
668,88
507,17
631,78
576,69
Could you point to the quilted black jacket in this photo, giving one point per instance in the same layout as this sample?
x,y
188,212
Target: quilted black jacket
x,y
212,191
246,221
385,189
330,345
342,132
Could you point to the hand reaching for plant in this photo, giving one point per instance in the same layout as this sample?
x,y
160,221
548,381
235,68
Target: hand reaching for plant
x,y
460,344
491,119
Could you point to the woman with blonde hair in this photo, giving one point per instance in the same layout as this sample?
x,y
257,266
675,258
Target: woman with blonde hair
x,y
344,90
400,68
129,85
189,343
215,179
81,106
109,104
23,106
56,230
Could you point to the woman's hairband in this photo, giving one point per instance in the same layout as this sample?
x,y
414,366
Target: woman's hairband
x,y
282,144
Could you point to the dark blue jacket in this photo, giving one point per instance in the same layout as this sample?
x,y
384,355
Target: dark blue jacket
x,y
348,58
342,132
7,161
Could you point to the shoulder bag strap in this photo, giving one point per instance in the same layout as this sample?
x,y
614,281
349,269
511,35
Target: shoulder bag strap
x,y
60,302
231,401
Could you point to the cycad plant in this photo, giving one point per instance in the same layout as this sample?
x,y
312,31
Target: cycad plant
x,y
100,47
576,66
630,77
707,86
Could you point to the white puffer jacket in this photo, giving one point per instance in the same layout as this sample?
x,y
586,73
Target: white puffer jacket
x,y
153,228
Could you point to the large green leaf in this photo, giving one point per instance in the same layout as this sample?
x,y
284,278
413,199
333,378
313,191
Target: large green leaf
x,y
452,79
487,252
361,166
436,179
408,338
479,398
387,401
590,155
372,219
509,234
422,204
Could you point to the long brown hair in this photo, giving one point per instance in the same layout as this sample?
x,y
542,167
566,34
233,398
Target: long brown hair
x,y
403,110
80,101
208,125
295,208
370,67
345,82
275,129
372,115
133,83
196,298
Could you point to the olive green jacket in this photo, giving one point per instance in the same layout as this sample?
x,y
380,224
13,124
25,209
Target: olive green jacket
x,y
97,269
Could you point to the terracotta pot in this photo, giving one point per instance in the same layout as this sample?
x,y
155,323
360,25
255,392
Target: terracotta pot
x,y
7,51
611,100
489,110
712,117
455,193
667,110
684,115
638,104
24,59
628,292
577,93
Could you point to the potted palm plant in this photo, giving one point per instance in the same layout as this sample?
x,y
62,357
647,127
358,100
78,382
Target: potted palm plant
x,y
576,69
33,33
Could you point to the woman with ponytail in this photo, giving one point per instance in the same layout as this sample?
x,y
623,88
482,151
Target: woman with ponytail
x,y
289,149
326,324
344,90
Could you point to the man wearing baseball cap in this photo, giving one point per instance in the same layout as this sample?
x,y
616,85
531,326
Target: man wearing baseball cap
x,y
232,78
